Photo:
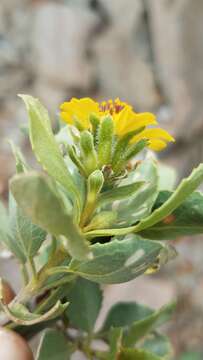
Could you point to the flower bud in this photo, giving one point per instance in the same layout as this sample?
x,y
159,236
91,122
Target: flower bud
x,y
88,153
105,141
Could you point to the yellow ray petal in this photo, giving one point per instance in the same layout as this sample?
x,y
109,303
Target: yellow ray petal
x,y
157,145
67,117
122,119
156,133
79,108
140,120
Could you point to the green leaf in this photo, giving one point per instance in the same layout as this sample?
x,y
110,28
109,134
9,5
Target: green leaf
x,y
46,148
142,327
21,165
27,235
187,219
102,220
136,354
115,340
159,345
7,236
118,261
119,193
53,346
185,188
85,300
19,314
38,198
124,314
167,177
138,206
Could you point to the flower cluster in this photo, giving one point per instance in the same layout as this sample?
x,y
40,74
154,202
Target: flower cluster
x,y
78,112
112,133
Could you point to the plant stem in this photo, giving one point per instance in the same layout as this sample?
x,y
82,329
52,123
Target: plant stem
x,y
24,274
32,268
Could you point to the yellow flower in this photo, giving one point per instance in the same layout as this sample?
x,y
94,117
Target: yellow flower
x,y
77,111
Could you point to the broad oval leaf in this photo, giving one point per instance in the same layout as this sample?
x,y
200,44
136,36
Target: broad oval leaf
x,y
118,261
123,314
88,294
143,326
38,198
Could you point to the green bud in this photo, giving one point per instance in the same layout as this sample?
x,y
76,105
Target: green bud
x,y
135,149
94,185
75,159
95,121
131,151
88,153
121,147
105,141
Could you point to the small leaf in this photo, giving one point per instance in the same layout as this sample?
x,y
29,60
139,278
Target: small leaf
x,y
142,327
119,193
46,148
19,314
118,261
26,235
159,345
21,165
136,354
183,191
85,300
6,235
124,314
53,346
102,220
187,219
115,340
37,196
185,188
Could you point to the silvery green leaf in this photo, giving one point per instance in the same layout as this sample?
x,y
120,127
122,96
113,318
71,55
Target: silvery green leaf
x,y
187,219
39,199
118,261
185,188
19,314
46,148
139,206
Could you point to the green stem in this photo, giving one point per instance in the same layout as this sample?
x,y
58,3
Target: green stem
x,y
24,274
32,268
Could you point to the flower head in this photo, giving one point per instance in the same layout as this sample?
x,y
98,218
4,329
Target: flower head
x,y
77,112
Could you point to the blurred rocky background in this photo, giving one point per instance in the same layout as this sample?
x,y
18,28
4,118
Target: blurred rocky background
x,y
147,52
